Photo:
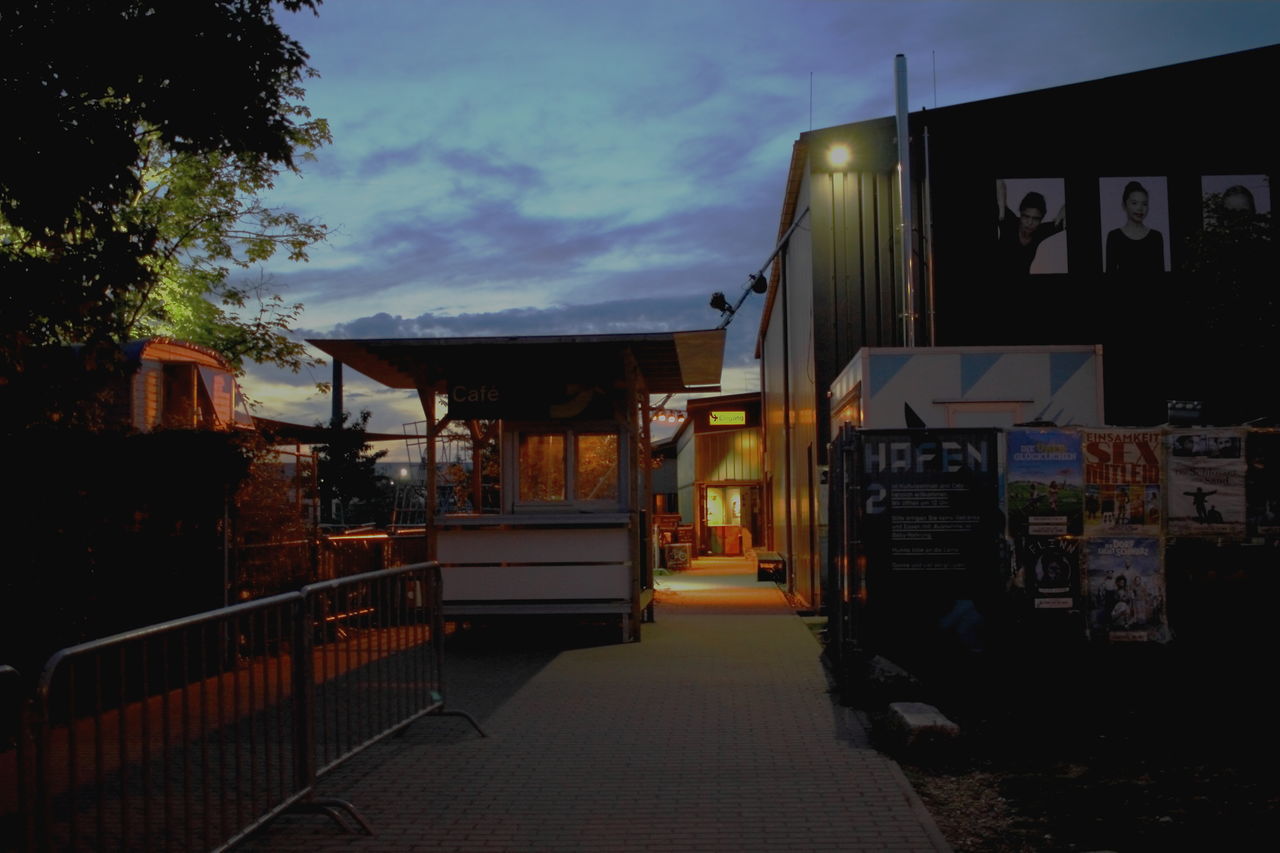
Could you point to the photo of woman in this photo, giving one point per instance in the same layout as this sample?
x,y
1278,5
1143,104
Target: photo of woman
x,y
1135,225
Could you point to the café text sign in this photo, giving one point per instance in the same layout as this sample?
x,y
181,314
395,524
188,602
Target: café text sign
x,y
475,400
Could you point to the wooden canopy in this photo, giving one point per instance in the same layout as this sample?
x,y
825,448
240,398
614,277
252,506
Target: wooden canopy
x,y
668,362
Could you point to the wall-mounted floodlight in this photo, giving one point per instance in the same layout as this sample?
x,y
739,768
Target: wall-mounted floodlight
x,y
839,156
757,282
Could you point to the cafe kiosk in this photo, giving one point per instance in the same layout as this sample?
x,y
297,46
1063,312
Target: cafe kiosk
x,y
566,530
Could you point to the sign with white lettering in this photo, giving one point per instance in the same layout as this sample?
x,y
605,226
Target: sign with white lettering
x,y
930,499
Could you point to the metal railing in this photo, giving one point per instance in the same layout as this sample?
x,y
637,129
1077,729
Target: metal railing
x,y
193,733
272,567
15,758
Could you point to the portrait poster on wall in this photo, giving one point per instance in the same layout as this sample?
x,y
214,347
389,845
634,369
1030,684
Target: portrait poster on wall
x,y
1122,476
1206,483
1050,569
1134,213
1031,226
1262,483
1246,195
930,498
1126,591
1044,482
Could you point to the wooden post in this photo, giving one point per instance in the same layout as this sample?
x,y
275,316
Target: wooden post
x,y
638,488
427,397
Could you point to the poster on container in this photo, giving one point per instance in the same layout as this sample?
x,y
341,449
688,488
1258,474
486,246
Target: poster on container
x,y
1206,483
1126,591
1122,475
1044,478
1262,450
1050,567
930,499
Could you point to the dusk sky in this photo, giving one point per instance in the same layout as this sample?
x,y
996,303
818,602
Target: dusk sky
x,y
560,167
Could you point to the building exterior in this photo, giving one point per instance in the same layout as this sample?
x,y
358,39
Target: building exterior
x,y
719,464
180,385
1164,261
558,430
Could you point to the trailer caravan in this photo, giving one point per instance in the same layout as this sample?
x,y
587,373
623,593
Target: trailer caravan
x,y
891,387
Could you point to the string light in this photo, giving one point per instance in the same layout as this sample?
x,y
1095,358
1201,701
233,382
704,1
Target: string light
x,y
668,416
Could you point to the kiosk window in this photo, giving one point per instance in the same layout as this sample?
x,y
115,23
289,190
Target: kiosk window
x,y
595,469
568,468
542,468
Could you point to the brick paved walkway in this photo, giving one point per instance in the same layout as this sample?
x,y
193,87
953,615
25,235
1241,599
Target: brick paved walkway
x,y
716,732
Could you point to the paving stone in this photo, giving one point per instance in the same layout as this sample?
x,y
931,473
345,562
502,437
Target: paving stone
x,y
717,731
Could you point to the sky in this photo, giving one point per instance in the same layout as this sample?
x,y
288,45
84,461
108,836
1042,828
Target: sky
x,y
529,167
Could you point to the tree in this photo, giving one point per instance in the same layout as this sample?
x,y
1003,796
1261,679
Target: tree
x,y
1230,322
348,472
209,219
138,131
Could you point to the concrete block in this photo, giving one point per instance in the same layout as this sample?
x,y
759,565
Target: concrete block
x,y
914,725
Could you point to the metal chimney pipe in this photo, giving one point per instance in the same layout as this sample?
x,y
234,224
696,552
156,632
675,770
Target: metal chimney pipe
x,y
904,200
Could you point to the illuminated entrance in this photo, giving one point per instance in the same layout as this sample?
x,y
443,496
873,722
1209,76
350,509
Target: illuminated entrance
x,y
730,519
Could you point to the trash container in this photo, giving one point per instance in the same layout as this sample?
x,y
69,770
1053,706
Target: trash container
x,y
770,566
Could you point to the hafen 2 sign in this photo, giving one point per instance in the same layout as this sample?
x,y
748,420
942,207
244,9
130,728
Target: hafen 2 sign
x,y
929,499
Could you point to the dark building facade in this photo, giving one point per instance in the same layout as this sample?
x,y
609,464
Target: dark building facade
x,y
1101,213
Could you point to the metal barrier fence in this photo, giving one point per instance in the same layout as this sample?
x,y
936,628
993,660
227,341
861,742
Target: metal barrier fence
x,y
191,734
15,757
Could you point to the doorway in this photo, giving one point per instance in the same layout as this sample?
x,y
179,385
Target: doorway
x,y
730,519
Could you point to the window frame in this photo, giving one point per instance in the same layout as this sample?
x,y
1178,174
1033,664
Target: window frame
x,y
512,472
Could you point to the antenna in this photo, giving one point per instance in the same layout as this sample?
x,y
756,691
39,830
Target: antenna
x,y
811,100
934,55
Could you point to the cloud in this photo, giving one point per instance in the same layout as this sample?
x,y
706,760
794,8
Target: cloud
x,y
564,167
393,159
620,316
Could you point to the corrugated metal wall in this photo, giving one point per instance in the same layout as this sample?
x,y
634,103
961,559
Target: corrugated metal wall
x,y
731,455
684,477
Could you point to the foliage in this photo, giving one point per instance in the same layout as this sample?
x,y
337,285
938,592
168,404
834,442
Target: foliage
x,y
117,531
1233,260
470,465
348,472
272,542
139,131
209,219
1228,314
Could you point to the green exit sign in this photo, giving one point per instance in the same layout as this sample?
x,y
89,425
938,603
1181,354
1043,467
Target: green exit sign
x,y
728,418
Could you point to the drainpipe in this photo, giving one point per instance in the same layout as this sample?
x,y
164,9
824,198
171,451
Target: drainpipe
x,y
904,200
788,519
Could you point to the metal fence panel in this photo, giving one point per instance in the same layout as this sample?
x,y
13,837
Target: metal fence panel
x,y
191,734
16,825
378,657
173,736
